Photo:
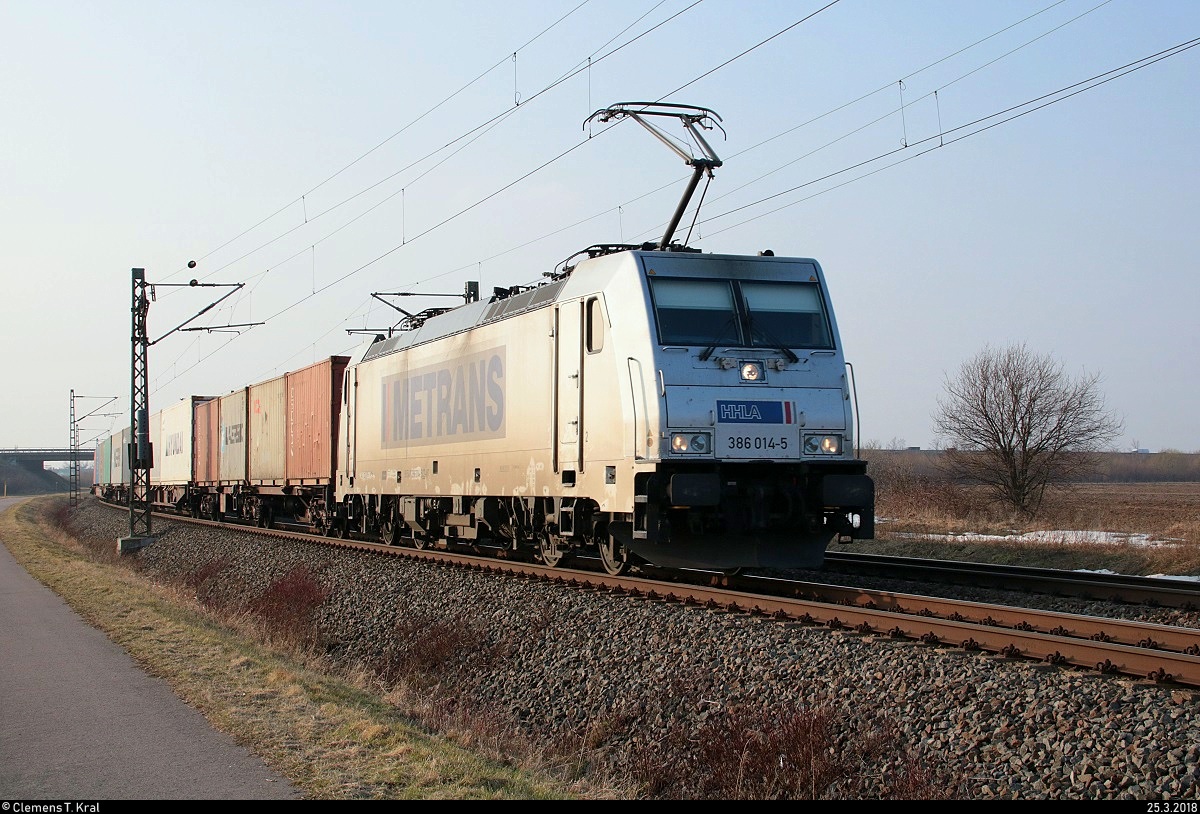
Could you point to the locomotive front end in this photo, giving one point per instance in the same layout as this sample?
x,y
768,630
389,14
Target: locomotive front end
x,y
753,463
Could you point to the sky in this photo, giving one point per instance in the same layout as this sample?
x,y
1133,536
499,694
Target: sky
x,y
969,175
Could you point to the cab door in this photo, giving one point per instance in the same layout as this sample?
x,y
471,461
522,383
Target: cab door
x,y
568,387
349,402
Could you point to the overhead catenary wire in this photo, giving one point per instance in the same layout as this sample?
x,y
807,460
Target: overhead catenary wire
x,y
1032,106
889,85
537,169
415,121
812,120
494,119
433,228
586,65
900,109
463,211
568,75
859,164
752,48
484,126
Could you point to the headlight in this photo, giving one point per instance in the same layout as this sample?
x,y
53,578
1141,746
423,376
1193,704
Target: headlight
x,y
693,443
822,444
752,372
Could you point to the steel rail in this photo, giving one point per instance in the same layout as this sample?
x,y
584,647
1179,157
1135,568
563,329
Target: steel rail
x,y
1131,589
1078,626
1057,638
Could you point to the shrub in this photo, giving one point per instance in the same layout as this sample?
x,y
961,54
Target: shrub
x,y
204,582
750,752
287,608
423,645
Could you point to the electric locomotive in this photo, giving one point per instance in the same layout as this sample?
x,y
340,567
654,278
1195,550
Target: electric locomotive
x,y
645,406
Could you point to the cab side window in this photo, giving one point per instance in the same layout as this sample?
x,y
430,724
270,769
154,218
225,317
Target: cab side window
x,y
595,325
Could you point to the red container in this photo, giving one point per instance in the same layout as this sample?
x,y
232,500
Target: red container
x,y
206,457
314,405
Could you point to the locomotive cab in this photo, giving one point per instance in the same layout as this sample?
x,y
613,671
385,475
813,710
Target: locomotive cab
x,y
748,448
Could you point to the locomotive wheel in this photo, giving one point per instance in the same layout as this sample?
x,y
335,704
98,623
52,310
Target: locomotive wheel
x,y
389,531
551,554
612,556
420,541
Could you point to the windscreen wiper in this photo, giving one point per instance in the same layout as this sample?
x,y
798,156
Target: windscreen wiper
x,y
776,344
707,352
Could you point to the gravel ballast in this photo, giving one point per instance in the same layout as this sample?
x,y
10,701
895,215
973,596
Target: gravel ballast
x,y
558,662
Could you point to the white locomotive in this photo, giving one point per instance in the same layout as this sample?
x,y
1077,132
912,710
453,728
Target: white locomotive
x,y
661,406
649,404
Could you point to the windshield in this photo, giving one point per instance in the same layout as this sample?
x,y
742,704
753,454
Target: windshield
x,y
696,312
788,315
756,314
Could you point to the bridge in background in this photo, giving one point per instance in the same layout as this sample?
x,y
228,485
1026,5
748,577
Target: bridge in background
x,y
40,456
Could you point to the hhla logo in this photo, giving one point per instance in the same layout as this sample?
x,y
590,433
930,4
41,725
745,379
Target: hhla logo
x,y
740,412
755,412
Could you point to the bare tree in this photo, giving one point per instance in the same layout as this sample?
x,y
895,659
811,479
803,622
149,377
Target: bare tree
x,y
1015,423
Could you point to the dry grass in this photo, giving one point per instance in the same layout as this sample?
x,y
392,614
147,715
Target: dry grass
x,y
326,733
918,507
403,726
1168,511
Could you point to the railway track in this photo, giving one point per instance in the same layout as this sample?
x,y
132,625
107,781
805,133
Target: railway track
x,y
1136,649
1119,588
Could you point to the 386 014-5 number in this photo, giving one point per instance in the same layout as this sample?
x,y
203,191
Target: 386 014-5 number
x,y
758,442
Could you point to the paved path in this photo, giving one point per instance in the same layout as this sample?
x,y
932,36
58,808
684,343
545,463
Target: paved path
x,y
80,720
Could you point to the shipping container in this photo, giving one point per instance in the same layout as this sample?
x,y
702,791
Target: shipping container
x,y
206,448
267,423
155,448
314,398
103,461
232,437
176,441
120,457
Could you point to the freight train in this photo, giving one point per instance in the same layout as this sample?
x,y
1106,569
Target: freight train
x,y
642,405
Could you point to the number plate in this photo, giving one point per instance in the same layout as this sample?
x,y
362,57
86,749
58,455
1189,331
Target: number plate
x,y
734,444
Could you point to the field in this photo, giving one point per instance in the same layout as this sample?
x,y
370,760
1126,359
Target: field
x,y
1132,528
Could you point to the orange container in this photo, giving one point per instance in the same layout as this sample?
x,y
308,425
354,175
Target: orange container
x,y
314,405
206,459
